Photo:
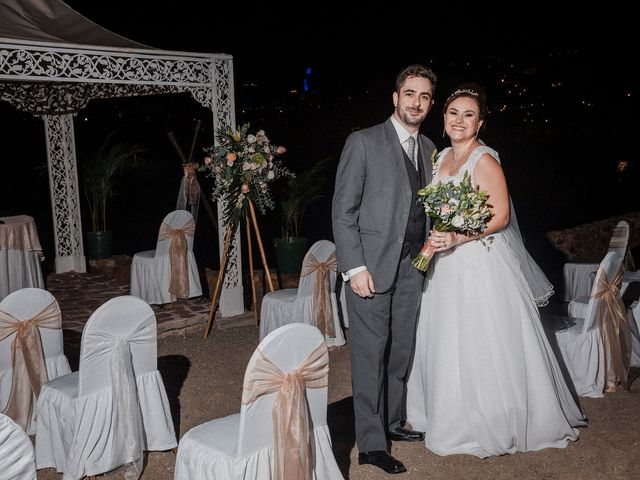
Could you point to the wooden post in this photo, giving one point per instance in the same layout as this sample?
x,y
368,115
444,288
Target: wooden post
x,y
216,291
254,303
223,264
262,255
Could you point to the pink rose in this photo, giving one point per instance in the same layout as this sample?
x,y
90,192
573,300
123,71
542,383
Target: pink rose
x,y
207,160
231,157
445,210
245,188
280,150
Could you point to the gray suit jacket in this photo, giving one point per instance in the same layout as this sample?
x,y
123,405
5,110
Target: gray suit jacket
x,y
372,201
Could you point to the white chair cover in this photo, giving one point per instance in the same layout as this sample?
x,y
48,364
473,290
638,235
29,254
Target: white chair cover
x,y
581,345
104,415
17,459
578,277
241,446
24,304
151,269
292,305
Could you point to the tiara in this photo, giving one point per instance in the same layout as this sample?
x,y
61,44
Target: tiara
x,y
460,91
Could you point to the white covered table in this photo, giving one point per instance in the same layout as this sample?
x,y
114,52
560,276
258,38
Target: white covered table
x,y
20,255
578,279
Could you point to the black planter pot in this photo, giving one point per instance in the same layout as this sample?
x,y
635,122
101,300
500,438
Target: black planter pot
x,y
289,253
99,244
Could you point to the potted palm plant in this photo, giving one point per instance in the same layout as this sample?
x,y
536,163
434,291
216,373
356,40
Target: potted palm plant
x,y
301,191
100,171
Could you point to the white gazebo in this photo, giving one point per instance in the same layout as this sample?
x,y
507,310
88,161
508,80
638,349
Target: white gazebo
x,y
53,61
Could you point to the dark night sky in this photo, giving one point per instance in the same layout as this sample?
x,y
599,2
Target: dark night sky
x,y
269,43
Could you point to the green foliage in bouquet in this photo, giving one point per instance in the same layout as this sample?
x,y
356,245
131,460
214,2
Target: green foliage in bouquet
x,y
242,165
453,207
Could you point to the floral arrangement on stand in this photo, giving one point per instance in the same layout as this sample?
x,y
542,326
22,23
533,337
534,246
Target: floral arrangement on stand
x,y
453,207
243,164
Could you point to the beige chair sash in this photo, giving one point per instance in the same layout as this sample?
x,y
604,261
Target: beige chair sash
x,y
290,414
178,257
27,359
192,187
615,332
322,292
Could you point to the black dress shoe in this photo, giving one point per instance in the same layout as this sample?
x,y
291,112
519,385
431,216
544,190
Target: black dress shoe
x,y
399,434
381,459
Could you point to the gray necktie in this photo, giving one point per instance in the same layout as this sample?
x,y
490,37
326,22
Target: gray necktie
x,y
411,150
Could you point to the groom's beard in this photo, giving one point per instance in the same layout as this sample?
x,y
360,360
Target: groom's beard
x,y
413,120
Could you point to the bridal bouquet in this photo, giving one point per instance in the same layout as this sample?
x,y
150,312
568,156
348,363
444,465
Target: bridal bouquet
x,y
453,207
243,164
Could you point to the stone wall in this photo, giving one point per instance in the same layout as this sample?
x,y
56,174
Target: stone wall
x,y
588,243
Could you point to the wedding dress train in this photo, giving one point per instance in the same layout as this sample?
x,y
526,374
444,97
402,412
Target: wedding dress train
x,y
484,379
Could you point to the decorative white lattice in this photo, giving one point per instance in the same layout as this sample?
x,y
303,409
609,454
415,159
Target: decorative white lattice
x,y
223,108
232,277
62,98
224,116
63,179
33,62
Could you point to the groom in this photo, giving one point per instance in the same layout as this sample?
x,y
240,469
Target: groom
x,y
378,228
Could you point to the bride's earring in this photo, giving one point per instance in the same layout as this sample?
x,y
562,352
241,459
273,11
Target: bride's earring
x,y
444,132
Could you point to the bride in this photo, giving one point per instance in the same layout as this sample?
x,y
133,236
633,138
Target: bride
x,y
484,379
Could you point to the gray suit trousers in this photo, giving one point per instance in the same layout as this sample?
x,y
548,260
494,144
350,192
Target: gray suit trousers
x,y
382,337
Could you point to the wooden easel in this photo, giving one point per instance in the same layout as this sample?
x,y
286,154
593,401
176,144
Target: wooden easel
x,y
223,265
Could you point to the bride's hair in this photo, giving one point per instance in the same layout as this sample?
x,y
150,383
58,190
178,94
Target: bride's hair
x,y
469,90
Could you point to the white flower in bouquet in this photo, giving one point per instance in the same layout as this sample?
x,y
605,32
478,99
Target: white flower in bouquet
x,y
243,164
453,207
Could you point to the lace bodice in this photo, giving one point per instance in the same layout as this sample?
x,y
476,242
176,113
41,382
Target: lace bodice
x,y
468,166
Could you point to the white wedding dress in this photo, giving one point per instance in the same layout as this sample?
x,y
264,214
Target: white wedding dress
x,y
484,379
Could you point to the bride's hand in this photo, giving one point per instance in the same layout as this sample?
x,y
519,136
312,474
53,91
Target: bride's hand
x,y
442,241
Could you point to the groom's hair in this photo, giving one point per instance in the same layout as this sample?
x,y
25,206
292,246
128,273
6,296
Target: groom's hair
x,y
416,70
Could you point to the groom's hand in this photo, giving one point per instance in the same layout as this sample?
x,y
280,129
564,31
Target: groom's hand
x,y
362,284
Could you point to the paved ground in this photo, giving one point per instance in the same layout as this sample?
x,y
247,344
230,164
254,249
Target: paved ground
x,y
79,294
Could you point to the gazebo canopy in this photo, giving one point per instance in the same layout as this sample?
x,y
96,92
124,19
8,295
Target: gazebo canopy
x,y
53,61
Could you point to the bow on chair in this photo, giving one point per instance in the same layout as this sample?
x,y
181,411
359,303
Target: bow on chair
x,y
179,286
615,331
322,291
192,187
289,413
27,359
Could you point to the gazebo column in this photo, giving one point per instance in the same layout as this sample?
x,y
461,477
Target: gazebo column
x,y
232,296
224,114
65,201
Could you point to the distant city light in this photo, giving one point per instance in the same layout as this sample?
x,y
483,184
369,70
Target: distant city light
x,y
307,80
